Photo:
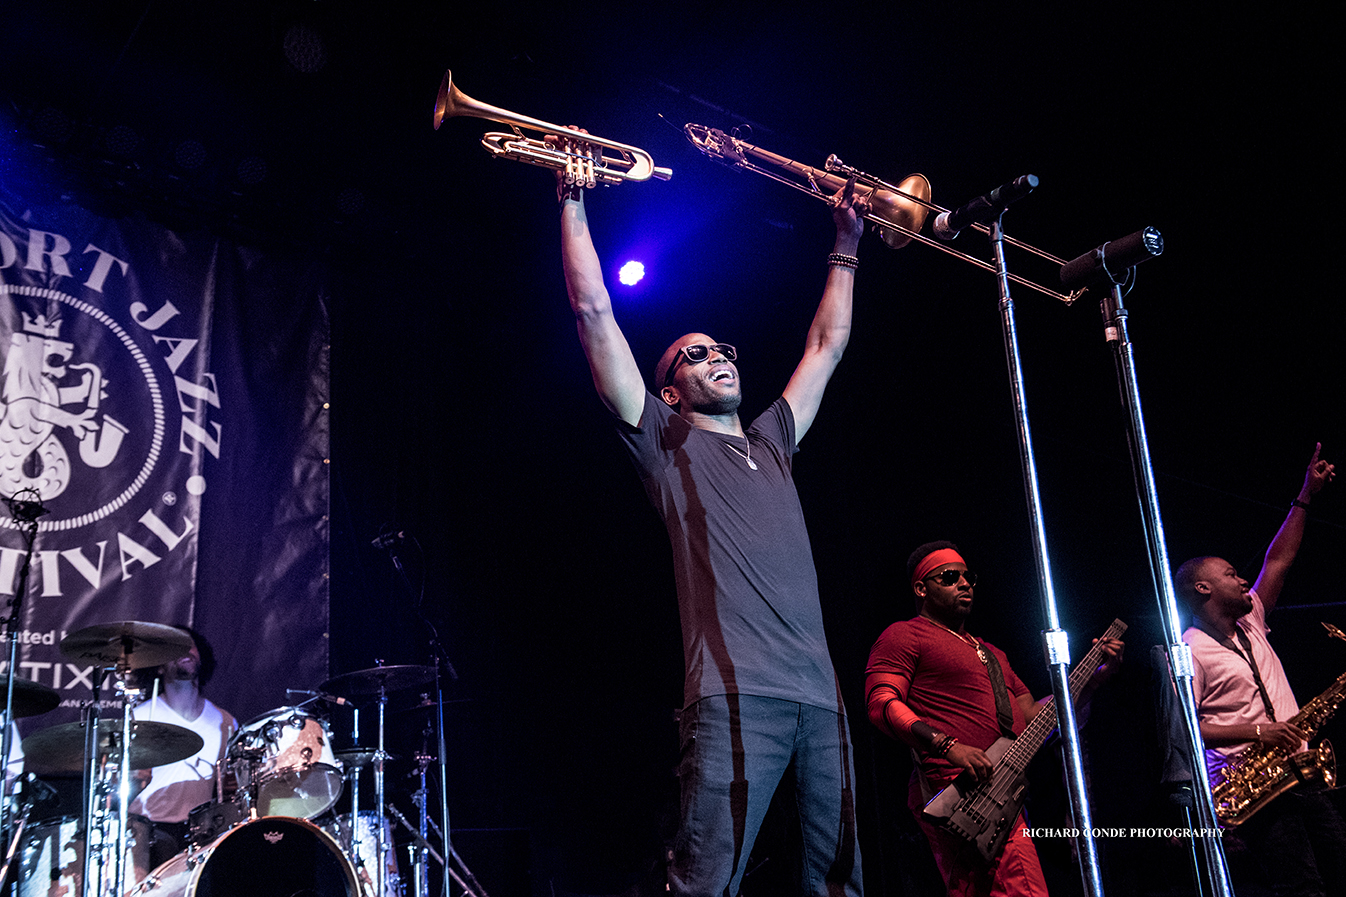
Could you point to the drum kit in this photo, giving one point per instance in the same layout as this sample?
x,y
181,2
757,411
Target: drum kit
x,y
275,832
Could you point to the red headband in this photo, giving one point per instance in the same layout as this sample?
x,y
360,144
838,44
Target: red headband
x,y
937,558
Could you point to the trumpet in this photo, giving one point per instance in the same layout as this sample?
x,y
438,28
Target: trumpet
x,y
628,163
897,210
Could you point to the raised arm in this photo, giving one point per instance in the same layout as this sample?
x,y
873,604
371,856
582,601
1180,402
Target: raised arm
x,y
831,328
1283,548
614,369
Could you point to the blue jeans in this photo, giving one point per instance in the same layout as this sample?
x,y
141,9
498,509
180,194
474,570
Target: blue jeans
x,y
736,749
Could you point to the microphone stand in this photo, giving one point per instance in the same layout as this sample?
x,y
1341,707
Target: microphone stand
x,y
442,666
1054,638
24,513
439,655
1180,664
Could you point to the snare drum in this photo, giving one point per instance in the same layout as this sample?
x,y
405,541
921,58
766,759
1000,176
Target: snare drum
x,y
210,820
285,756
270,857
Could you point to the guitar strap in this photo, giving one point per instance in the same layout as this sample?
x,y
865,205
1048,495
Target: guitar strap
x,y
1003,713
1247,655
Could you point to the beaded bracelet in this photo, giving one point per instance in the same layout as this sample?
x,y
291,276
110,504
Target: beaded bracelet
x,y
845,261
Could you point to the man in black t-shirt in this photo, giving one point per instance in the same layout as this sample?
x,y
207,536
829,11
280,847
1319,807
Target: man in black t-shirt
x,y
760,692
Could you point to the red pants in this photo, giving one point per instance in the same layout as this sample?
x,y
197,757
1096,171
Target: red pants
x,y
1015,873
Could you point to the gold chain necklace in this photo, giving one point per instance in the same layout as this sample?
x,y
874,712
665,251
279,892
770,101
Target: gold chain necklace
x,y
981,652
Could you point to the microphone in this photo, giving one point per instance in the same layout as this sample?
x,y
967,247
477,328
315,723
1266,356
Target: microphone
x,y
1108,262
983,209
387,540
320,695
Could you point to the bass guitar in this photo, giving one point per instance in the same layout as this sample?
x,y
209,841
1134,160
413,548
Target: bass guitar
x,y
982,812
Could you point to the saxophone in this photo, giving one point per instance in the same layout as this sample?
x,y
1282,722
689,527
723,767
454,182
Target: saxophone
x,y
1261,773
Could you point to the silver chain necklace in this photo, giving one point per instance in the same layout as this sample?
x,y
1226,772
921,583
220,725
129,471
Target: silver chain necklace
x,y
746,456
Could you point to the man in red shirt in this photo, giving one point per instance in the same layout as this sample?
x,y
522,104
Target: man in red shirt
x,y
930,685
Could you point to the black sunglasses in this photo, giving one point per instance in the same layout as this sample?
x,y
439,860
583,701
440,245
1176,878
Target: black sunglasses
x,y
696,354
951,577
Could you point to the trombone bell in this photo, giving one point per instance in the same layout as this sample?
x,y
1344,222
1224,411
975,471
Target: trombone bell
x,y
628,163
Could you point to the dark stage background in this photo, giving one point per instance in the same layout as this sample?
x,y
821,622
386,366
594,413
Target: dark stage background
x,y
464,417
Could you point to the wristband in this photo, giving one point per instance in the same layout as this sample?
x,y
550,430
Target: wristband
x,y
1299,504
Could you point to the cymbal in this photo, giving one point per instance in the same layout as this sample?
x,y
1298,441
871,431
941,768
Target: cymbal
x,y
378,679
135,645
359,757
30,698
425,703
61,748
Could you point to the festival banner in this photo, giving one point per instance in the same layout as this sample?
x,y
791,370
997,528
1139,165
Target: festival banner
x,y
163,415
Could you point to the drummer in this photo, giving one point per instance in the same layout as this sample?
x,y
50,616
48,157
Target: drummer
x,y
175,789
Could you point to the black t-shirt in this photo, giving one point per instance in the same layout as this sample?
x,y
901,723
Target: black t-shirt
x,y
747,589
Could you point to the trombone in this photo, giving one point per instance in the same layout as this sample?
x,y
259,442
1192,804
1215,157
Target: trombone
x,y
628,163
898,210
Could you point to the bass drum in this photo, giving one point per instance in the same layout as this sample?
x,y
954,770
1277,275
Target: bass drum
x,y
274,856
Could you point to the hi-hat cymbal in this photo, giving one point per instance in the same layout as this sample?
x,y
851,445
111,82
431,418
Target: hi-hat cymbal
x,y
30,698
359,757
378,679
60,749
130,644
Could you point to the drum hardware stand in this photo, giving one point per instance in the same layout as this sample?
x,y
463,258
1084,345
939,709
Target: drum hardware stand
x,y
13,847
131,696
380,796
97,787
421,799
467,881
24,512
26,801
250,758
355,789
93,784
350,839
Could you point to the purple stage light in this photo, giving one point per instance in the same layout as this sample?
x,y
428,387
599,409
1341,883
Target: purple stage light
x,y
631,273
